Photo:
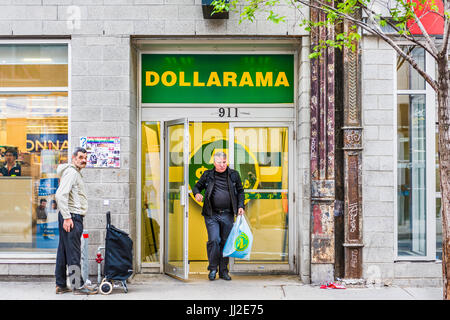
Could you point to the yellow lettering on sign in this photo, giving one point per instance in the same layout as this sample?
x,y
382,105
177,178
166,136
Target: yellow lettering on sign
x,y
264,80
229,77
182,82
196,82
213,80
281,80
148,78
36,145
246,80
39,145
173,79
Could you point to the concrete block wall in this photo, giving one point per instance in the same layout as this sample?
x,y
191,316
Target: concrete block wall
x,y
378,161
101,106
380,264
303,163
133,17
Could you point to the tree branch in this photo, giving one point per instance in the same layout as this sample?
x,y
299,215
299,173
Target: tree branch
x,y
426,35
446,29
370,12
324,7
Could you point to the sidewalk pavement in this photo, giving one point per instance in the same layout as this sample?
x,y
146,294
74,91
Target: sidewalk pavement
x,y
162,287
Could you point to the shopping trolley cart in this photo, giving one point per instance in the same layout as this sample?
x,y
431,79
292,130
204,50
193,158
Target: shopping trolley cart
x,y
118,265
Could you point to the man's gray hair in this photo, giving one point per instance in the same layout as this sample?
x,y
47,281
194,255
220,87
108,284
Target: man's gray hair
x,y
219,154
78,149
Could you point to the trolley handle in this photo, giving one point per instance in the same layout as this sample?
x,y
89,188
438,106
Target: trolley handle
x,y
108,219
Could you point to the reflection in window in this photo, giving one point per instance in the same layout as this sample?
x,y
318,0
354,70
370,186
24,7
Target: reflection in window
x,y
261,155
407,77
33,141
411,178
150,197
438,204
33,65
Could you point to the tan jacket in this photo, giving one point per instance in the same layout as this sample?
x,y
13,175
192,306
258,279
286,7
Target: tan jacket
x,y
71,194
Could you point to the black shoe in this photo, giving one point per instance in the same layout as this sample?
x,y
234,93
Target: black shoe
x,y
61,290
85,290
212,274
225,276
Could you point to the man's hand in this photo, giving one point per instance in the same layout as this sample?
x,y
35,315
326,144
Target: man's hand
x,y
199,197
68,225
241,211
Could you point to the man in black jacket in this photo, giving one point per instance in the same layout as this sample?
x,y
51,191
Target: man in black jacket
x,y
224,197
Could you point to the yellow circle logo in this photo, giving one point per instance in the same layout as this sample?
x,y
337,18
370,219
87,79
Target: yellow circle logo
x,y
202,160
241,242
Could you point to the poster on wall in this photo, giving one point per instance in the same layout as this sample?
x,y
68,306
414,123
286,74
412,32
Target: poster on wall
x,y
102,152
47,234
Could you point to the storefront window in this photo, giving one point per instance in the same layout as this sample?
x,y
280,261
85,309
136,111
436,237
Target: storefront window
x,y
150,197
407,77
411,177
261,155
30,65
418,198
438,204
33,141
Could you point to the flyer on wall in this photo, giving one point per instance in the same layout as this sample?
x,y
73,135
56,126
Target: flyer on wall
x,y
47,234
102,152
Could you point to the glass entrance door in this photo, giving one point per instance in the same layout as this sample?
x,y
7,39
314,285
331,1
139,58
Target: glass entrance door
x,y
176,206
262,155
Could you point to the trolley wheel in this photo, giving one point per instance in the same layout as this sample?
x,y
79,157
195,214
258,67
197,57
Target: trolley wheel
x,y
105,287
124,285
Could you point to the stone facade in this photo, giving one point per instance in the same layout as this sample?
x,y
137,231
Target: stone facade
x,y
103,90
379,165
103,102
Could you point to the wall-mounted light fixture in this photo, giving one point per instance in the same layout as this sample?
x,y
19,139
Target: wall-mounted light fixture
x,y
207,9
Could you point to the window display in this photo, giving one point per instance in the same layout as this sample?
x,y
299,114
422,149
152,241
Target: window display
x,y
33,141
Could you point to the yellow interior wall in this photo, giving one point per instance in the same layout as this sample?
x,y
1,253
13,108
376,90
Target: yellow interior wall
x,y
151,182
34,75
16,132
198,236
266,216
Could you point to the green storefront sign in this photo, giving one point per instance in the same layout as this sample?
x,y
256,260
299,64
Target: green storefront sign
x,y
217,78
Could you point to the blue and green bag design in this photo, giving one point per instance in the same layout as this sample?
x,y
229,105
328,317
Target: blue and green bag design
x,y
239,242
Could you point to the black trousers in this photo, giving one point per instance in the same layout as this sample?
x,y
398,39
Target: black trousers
x,y
219,226
69,252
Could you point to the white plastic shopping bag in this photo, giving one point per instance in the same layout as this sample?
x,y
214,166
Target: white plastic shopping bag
x,y
239,242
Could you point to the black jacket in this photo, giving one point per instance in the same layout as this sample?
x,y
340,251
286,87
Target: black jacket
x,y
235,187
15,171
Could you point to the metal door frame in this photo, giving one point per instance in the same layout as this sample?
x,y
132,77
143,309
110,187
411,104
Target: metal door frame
x,y
163,113
183,199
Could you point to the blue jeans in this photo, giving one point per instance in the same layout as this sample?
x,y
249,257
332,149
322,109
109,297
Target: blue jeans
x,y
219,227
69,250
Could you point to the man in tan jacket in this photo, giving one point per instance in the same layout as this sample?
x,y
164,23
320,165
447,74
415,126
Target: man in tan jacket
x,y
72,203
